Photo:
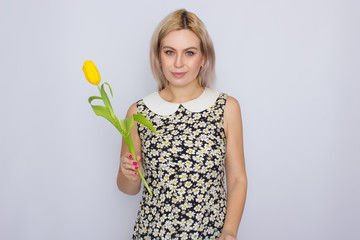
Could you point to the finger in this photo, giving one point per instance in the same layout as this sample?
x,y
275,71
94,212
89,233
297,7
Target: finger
x,y
127,159
132,173
132,168
131,165
133,176
129,168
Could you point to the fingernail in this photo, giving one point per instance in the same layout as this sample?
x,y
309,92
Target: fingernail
x,y
135,163
136,168
135,173
130,156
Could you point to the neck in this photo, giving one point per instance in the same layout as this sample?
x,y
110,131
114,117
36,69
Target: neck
x,y
181,94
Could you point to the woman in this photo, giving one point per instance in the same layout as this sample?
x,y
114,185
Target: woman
x,y
199,138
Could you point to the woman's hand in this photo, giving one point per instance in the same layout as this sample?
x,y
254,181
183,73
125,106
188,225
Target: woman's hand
x,y
129,167
226,235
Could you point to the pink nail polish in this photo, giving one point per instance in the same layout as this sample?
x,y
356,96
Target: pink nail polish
x,y
135,173
135,163
130,156
136,168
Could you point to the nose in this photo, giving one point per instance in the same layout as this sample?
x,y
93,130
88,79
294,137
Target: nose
x,y
179,61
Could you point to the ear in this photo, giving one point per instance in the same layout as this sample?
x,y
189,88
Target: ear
x,y
203,60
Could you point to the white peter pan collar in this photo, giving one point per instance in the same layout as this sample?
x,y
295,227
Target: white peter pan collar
x,y
159,106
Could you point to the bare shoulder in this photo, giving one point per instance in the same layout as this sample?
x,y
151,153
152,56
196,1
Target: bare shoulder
x,y
232,115
132,110
232,107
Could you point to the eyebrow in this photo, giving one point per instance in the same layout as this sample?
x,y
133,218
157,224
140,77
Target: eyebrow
x,y
184,49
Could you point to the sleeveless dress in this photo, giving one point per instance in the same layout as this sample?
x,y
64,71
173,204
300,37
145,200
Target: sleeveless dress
x,y
184,167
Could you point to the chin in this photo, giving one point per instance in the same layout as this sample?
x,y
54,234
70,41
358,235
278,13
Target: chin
x,y
181,82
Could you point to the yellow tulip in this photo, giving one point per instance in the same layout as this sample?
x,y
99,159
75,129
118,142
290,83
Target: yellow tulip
x,y
125,126
91,72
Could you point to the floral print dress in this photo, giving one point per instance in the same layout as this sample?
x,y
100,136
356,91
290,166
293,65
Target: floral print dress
x,y
184,167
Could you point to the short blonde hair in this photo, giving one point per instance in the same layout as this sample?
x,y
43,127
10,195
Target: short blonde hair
x,y
178,20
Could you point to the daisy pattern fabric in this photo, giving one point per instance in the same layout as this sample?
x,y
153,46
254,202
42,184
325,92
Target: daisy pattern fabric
x,y
184,166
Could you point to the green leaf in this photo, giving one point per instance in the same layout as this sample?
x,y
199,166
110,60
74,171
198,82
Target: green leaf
x,y
109,88
127,124
106,99
104,112
143,120
122,123
116,120
93,97
130,145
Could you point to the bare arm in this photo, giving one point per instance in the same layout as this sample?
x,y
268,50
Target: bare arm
x,y
235,169
127,180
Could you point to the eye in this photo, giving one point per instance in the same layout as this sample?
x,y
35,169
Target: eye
x,y
189,53
169,52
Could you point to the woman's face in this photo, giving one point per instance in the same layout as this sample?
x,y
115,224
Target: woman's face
x,y
181,57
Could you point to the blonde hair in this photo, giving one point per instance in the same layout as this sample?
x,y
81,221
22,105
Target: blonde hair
x,y
178,20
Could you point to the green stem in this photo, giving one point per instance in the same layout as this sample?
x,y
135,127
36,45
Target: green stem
x,y
123,132
130,145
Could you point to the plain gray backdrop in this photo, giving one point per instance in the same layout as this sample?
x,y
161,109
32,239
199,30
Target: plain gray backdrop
x,y
292,65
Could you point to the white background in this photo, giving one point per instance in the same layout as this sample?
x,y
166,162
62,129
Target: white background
x,y
293,66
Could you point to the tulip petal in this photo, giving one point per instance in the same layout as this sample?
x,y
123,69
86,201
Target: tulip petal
x,y
91,72
143,120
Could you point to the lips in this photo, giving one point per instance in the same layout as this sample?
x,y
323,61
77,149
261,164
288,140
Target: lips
x,y
178,74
